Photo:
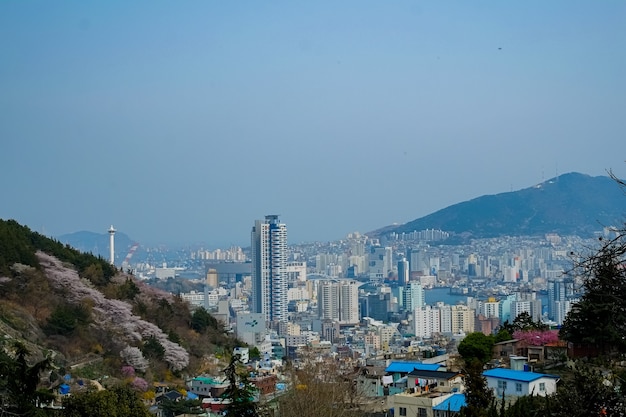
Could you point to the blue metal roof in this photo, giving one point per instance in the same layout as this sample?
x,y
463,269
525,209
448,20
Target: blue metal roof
x,y
516,375
402,366
453,403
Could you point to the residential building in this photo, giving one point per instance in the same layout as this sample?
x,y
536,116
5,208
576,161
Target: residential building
x,y
338,300
413,296
462,319
519,383
380,259
427,321
269,269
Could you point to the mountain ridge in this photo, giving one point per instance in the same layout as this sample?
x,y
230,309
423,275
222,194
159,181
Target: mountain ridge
x,y
571,203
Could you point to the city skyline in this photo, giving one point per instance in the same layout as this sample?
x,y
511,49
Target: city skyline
x,y
163,119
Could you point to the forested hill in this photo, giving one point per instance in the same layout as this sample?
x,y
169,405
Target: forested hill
x,y
80,306
18,244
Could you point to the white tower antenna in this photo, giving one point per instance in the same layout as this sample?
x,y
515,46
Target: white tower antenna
x,y
112,245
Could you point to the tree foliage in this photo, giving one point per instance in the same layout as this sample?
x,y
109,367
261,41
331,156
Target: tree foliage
x,y
536,337
201,320
599,318
479,398
120,401
476,346
66,318
523,322
18,244
19,386
240,391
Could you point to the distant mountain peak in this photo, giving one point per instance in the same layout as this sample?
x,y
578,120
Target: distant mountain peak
x,y
571,203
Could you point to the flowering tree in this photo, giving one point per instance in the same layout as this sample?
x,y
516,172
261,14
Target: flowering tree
x,y
111,311
128,371
536,337
133,356
139,384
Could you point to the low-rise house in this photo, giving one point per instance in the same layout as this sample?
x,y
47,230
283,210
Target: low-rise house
x,y
399,369
519,383
425,391
205,386
430,380
417,404
265,384
504,350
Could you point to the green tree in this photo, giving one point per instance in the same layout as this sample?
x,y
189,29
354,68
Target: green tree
x,y
120,401
95,274
523,322
66,318
502,336
128,290
599,318
201,320
255,353
479,398
152,348
589,392
476,346
240,391
173,408
19,386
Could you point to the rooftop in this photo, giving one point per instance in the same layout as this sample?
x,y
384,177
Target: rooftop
x,y
433,374
405,366
454,403
522,376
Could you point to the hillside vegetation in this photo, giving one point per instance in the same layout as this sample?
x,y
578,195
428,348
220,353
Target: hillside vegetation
x,y
53,297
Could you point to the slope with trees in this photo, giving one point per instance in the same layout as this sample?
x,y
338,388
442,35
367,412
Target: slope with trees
x,y
54,297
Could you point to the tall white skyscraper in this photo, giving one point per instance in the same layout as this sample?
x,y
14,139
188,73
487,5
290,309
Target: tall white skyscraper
x,y
269,269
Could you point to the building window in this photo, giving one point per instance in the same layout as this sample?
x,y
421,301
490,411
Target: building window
x,y
421,412
502,385
542,386
518,387
403,411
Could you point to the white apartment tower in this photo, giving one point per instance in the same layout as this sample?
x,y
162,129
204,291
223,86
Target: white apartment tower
x,y
338,300
427,320
269,269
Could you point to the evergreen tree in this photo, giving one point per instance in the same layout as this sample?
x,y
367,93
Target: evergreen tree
x,y
599,318
478,397
19,386
240,391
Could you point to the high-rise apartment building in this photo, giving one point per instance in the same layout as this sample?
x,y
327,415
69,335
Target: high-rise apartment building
x,y
426,320
269,269
559,290
403,272
462,319
413,296
339,301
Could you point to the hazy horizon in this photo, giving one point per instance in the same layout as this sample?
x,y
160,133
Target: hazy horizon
x,y
185,122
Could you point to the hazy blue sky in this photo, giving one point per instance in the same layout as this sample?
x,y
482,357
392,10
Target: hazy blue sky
x,y
186,121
